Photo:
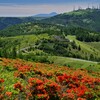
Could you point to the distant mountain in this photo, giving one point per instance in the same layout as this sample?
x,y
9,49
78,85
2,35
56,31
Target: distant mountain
x,y
46,15
9,21
85,18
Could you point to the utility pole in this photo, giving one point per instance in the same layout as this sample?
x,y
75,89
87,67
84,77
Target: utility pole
x,y
73,8
88,6
99,6
79,8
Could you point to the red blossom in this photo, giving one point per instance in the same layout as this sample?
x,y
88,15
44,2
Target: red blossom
x,y
1,80
24,68
35,81
18,86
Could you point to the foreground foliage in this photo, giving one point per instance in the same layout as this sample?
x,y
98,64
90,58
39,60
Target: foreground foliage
x,y
38,81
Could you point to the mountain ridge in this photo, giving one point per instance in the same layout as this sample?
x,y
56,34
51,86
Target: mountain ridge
x,y
85,18
46,15
10,21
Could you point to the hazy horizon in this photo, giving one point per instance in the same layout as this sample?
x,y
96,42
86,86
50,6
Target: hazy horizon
x,y
22,8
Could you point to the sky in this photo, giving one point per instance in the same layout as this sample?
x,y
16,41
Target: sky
x,y
14,8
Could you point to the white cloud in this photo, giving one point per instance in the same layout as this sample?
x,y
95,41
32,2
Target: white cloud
x,y
29,10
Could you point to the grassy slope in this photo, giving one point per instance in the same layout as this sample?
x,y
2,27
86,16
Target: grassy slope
x,y
85,47
95,45
27,40
75,63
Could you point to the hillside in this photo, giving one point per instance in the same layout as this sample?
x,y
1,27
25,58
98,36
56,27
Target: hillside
x,y
30,28
9,21
20,79
85,18
43,40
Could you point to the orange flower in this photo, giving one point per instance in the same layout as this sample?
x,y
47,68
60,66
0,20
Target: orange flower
x,y
43,96
8,94
70,96
35,81
81,98
1,89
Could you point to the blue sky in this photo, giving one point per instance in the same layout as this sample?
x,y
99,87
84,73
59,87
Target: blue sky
x,y
44,1
32,7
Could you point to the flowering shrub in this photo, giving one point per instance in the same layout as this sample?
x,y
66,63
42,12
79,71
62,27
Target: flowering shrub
x,y
37,81
1,89
79,86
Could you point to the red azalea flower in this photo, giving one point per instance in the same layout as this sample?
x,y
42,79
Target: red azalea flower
x,y
18,86
1,80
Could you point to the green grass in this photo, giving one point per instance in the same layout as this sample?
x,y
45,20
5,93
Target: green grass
x,y
28,40
82,44
86,47
75,63
96,45
9,74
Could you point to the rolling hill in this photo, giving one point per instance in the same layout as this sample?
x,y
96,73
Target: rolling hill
x,y
43,40
85,18
10,21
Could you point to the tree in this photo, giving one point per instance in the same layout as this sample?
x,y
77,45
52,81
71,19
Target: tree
x,y
14,54
79,47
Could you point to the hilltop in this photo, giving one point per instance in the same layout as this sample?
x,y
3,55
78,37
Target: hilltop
x,y
85,18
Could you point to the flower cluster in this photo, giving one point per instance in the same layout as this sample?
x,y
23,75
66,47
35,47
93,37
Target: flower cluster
x,y
1,89
41,89
18,86
78,85
38,81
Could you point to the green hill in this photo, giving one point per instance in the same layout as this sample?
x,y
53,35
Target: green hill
x,y
85,18
42,40
30,28
9,21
